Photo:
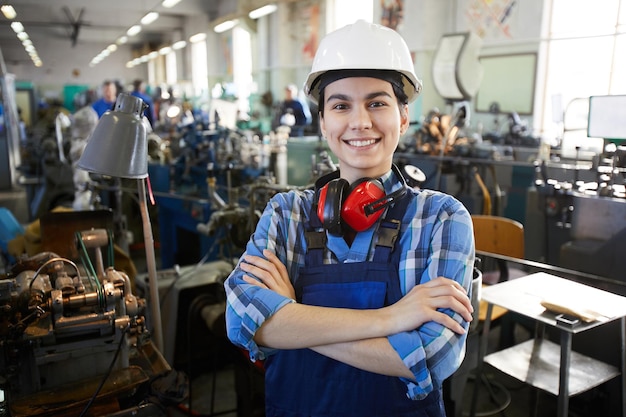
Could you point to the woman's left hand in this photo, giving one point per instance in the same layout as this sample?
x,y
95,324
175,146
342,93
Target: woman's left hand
x,y
270,273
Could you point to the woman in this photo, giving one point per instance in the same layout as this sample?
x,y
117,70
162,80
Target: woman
x,y
356,293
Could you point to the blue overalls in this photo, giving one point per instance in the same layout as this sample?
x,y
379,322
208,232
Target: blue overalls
x,y
303,383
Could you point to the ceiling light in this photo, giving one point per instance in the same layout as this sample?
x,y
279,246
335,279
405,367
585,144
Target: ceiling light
x,y
22,36
197,37
169,3
121,40
149,18
179,45
153,54
262,11
8,11
133,30
165,50
112,47
17,27
224,26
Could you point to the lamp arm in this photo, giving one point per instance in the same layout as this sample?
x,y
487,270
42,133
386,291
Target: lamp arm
x,y
155,308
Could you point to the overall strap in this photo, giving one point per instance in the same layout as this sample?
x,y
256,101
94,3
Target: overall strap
x,y
315,237
389,229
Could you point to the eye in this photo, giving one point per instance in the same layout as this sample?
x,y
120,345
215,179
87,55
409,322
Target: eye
x,y
339,106
377,104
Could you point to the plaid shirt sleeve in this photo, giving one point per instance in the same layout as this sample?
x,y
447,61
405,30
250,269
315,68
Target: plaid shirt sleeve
x,y
248,306
438,241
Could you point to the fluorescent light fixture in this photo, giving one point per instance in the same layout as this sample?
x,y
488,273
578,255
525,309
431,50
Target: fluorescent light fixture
x,y
133,30
224,26
165,50
197,37
22,36
121,40
262,11
130,64
153,54
149,18
27,42
8,11
179,45
17,27
38,63
170,3
112,47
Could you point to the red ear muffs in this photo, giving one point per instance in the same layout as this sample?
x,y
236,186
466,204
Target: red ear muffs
x,y
339,202
362,193
329,205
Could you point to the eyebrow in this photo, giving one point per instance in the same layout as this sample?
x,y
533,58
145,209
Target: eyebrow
x,y
370,96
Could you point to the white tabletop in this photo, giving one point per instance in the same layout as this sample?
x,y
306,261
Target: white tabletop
x,y
524,295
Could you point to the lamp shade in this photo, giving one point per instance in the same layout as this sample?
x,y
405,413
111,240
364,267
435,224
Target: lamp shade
x,y
118,147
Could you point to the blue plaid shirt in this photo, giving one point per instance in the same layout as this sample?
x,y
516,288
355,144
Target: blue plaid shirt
x,y
436,240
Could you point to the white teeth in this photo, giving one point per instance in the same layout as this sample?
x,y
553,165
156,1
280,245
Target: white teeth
x,y
362,143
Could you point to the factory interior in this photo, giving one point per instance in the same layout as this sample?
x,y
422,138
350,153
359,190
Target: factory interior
x,y
118,231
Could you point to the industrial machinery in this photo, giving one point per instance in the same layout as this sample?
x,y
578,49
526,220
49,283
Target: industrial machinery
x,y
75,337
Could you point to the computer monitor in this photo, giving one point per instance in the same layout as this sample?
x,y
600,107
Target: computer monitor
x,y
607,117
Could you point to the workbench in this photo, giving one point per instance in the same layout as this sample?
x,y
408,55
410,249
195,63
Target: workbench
x,y
544,364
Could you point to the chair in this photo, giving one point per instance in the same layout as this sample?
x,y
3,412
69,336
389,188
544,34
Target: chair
x,y
499,236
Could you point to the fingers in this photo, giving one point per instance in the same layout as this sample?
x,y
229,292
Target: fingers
x,y
439,294
447,287
271,272
253,281
448,322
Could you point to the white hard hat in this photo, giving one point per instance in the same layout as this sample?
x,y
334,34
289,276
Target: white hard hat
x,y
363,46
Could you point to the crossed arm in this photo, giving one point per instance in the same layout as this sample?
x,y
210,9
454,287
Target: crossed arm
x,y
355,337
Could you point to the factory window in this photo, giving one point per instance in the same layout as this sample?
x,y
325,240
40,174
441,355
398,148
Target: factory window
x,y
343,12
242,68
199,69
586,55
171,70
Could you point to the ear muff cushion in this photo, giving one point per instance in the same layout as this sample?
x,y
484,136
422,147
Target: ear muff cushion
x,y
330,201
361,193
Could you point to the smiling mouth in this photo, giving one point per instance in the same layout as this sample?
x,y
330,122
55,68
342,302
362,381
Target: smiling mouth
x,y
361,143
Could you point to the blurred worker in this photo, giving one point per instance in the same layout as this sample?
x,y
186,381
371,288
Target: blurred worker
x,y
356,293
139,91
107,100
84,122
294,112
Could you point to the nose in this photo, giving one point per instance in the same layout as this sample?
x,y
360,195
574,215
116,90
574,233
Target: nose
x,y
360,119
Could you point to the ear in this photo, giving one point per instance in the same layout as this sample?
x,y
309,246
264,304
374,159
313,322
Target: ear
x,y
404,119
322,124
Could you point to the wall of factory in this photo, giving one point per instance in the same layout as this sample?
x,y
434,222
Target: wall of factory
x,y
56,73
284,44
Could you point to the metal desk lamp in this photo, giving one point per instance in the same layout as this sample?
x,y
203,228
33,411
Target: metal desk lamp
x,y
118,147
